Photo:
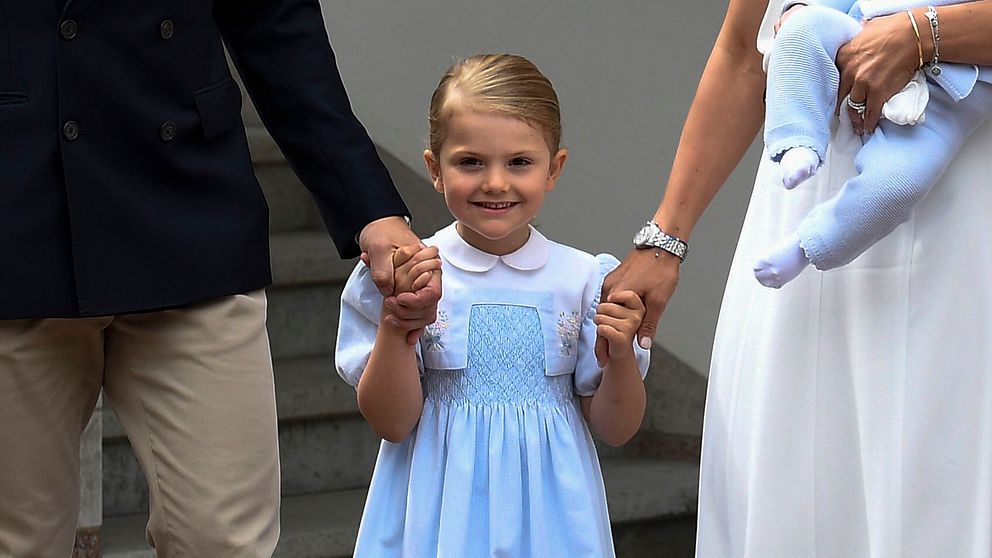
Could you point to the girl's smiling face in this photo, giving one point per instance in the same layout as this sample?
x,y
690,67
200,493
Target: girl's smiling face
x,y
493,171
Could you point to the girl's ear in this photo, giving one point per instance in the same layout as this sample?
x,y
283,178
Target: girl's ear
x,y
557,164
434,168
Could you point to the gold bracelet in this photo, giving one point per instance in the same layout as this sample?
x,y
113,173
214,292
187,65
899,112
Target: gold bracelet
x,y
916,30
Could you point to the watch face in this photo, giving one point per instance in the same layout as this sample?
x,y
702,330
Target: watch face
x,y
642,235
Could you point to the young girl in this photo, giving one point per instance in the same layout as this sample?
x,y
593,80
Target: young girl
x,y
897,165
487,449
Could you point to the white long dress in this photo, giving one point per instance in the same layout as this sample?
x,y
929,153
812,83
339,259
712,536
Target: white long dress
x,y
849,414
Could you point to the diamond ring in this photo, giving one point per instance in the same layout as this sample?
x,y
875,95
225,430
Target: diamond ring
x,y
859,107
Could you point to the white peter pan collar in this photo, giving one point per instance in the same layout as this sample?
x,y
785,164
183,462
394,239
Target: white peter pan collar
x,y
532,255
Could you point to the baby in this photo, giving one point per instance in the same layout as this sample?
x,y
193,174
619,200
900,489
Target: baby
x,y
896,165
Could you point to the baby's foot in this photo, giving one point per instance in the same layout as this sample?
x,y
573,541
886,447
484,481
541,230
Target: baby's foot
x,y
782,265
797,165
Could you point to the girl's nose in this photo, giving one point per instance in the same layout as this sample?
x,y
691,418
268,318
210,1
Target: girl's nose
x,y
496,182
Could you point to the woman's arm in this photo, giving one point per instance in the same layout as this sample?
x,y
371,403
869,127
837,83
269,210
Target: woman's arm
x,y
881,59
965,33
725,116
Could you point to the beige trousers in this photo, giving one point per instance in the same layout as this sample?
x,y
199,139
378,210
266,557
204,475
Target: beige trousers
x,y
194,392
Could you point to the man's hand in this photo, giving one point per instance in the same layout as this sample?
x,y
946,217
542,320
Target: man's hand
x,y
617,320
379,241
652,275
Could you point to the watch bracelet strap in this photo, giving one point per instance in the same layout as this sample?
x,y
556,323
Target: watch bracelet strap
x,y
671,244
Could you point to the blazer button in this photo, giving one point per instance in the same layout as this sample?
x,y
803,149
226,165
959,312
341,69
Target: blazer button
x,y
167,29
68,29
168,131
71,130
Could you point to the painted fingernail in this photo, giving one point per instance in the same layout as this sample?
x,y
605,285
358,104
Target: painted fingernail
x,y
645,343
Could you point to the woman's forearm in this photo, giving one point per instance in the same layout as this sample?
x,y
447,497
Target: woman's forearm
x,y
724,118
965,33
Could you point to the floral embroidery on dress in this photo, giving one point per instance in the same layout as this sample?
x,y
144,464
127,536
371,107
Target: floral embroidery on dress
x,y
568,332
433,333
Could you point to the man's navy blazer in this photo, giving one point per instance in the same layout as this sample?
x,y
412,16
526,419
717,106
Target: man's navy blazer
x,y
125,179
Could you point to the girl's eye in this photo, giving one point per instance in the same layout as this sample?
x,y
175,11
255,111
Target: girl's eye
x,y
470,162
519,162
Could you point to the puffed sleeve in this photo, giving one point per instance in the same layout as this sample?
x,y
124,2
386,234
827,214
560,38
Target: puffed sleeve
x,y
588,374
361,308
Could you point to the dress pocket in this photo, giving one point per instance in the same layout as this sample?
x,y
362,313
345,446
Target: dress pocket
x,y
443,343
219,106
563,349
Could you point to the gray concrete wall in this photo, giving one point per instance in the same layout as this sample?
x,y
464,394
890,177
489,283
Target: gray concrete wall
x,y
625,71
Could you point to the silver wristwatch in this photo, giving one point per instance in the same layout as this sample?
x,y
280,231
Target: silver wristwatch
x,y
651,236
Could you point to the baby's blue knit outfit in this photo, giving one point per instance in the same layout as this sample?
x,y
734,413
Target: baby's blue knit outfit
x,y
896,165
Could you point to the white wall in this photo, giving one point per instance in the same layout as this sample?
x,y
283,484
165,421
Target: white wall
x,y
625,72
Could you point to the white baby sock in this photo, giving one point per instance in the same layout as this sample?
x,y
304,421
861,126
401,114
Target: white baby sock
x,y
797,165
782,265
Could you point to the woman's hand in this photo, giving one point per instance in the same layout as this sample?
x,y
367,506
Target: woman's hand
x,y
652,278
875,65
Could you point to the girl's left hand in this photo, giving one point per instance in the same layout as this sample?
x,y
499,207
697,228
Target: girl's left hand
x,y
875,65
617,321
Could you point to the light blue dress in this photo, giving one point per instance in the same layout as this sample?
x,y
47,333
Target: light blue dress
x,y
501,462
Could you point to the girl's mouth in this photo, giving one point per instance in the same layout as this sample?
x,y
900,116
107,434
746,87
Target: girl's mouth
x,y
495,206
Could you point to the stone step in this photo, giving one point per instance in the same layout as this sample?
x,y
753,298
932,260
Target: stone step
x,y
290,204
303,321
305,297
324,525
306,258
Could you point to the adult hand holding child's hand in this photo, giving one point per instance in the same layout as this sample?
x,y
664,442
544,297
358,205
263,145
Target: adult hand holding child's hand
x,y
380,242
617,320
415,268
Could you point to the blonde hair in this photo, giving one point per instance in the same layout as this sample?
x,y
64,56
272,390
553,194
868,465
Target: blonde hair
x,y
501,83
